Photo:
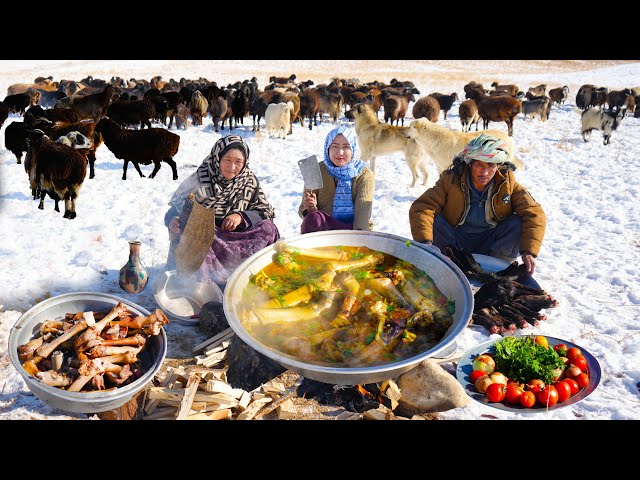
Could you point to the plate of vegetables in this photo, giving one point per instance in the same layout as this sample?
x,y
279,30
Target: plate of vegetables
x,y
528,373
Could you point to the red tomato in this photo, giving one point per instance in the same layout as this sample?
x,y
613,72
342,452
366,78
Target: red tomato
x,y
513,395
475,375
514,383
582,380
561,348
572,352
579,361
547,397
564,390
575,388
535,385
496,392
528,399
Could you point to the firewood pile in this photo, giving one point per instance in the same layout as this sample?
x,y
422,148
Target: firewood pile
x,y
200,391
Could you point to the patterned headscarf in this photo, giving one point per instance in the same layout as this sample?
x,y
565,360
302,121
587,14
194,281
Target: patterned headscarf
x,y
343,200
486,149
225,196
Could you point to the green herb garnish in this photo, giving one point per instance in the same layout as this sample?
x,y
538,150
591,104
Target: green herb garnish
x,y
521,359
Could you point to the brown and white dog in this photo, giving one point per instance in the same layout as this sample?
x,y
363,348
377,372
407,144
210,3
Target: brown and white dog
x,y
377,139
442,144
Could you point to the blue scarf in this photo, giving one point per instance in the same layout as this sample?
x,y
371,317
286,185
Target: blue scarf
x,y
343,201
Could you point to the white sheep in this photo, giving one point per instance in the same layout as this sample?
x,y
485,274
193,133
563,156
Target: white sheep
x,y
277,118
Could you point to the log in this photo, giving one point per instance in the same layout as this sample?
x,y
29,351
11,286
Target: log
x,y
132,410
189,394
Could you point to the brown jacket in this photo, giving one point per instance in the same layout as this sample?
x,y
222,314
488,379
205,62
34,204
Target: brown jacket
x,y
362,189
450,197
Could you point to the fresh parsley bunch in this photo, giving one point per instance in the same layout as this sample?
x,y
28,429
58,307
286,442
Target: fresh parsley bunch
x,y
521,359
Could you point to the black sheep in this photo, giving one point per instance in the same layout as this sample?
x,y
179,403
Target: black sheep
x,y
4,113
152,145
58,169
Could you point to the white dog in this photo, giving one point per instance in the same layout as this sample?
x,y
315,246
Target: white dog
x,y
377,139
442,144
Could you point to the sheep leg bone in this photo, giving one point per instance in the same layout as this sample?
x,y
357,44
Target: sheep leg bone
x,y
48,348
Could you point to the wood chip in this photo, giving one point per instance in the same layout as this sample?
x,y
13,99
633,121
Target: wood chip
x,y
215,415
218,348
287,411
253,408
273,405
162,413
349,416
380,413
244,400
188,396
170,377
224,335
175,395
393,393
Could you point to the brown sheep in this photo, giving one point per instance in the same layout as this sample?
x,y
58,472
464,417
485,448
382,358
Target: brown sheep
x,y
559,95
309,106
46,84
395,106
445,101
501,108
426,107
511,89
472,85
617,98
218,110
198,106
538,91
330,103
468,112
152,145
94,106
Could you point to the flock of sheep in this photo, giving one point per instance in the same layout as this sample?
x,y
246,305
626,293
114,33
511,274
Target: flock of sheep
x,y
65,122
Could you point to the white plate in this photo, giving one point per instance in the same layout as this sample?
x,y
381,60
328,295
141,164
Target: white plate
x,y
464,369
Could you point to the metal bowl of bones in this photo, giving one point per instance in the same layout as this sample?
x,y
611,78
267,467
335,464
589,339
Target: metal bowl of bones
x,y
87,352
348,307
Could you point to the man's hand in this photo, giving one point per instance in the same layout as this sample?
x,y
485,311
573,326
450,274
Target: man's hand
x,y
530,261
231,222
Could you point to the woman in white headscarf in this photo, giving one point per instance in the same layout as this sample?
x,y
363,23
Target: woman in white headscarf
x,y
345,200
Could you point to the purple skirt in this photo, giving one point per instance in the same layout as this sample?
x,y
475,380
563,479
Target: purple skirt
x,y
320,221
230,249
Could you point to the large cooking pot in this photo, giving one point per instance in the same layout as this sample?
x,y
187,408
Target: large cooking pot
x,y
447,276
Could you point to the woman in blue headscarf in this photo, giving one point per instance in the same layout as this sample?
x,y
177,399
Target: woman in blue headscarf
x,y
346,199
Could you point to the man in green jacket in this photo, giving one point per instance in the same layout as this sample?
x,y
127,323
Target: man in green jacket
x,y
478,204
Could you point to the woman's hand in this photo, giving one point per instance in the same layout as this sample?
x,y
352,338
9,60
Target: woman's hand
x,y
231,222
530,261
174,228
310,201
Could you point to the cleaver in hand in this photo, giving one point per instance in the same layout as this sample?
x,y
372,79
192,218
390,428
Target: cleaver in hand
x,y
310,170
